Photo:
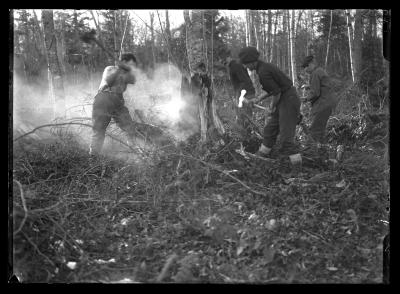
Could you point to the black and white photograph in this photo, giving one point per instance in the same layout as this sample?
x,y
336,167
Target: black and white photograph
x,y
199,146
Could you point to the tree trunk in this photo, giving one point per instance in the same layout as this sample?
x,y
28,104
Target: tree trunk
x,y
292,32
298,23
252,33
350,45
54,68
246,14
307,31
329,38
59,33
152,39
357,45
115,37
264,36
311,41
200,82
287,35
273,43
269,37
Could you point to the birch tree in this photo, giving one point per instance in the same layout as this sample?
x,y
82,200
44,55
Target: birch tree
x,y
292,33
55,72
269,37
357,55
329,38
200,82
152,38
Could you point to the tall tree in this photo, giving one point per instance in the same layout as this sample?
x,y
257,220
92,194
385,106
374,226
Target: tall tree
x,y
200,82
357,44
152,38
351,51
115,12
56,81
274,48
269,37
329,38
292,32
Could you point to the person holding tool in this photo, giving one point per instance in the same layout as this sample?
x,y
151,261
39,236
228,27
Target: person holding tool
x,y
284,108
240,80
109,102
322,100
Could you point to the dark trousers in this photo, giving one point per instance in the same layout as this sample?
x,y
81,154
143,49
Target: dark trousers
x,y
283,122
105,107
320,113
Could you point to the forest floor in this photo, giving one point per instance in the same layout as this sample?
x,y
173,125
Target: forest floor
x,y
203,215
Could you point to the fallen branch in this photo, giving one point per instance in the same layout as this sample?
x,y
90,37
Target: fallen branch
x,y
166,267
37,249
23,205
79,124
221,171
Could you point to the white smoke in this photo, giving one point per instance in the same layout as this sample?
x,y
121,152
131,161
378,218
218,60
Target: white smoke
x,y
157,99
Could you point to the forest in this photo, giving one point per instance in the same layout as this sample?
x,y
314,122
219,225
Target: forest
x,y
190,201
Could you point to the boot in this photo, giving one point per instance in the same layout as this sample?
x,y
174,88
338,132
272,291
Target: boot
x,y
264,151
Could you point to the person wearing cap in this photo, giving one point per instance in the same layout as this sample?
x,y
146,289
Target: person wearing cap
x,y
322,99
109,102
240,80
285,104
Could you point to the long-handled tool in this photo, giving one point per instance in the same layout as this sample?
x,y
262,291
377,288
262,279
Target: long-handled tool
x,y
242,99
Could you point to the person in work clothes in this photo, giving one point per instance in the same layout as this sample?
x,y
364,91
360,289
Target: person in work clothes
x,y
285,105
109,102
240,80
321,97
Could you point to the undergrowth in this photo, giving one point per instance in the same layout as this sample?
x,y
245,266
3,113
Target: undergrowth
x,y
201,215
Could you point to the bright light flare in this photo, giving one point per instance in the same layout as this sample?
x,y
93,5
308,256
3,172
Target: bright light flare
x,y
173,107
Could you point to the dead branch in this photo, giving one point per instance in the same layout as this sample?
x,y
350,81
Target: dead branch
x,y
86,125
23,205
221,171
37,249
166,267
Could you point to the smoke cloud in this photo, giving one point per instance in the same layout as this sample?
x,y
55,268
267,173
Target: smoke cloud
x,y
155,100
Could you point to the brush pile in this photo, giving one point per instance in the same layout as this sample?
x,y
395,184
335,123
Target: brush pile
x,y
195,214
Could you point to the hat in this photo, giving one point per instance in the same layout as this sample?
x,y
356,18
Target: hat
x,y
307,61
248,55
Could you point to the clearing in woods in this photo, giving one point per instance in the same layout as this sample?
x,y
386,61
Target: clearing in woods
x,y
191,214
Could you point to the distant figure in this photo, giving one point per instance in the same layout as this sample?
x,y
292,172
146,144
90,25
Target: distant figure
x,y
285,105
240,80
323,100
109,102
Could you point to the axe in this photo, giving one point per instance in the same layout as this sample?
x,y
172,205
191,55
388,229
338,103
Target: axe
x,y
241,99
89,37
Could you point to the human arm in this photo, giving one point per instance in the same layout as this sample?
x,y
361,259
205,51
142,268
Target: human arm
x,y
242,78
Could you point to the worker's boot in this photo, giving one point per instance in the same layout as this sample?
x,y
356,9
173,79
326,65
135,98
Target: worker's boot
x,y
264,151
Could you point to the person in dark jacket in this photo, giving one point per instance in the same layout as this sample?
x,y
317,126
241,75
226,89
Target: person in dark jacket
x,y
322,99
285,105
109,102
240,80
